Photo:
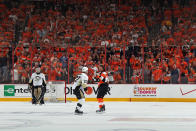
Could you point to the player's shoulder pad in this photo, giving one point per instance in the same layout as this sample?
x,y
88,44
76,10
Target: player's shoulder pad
x,y
104,74
42,74
33,74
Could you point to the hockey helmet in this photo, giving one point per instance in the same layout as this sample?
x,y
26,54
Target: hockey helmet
x,y
38,70
85,69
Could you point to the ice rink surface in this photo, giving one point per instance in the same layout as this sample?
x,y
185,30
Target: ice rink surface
x,y
119,116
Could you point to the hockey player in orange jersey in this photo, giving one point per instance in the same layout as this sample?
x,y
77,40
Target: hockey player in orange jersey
x,y
103,83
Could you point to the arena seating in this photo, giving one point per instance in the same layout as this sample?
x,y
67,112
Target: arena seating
x,y
136,42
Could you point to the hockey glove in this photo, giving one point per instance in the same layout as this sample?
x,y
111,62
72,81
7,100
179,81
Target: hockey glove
x,y
29,88
85,89
74,92
88,90
96,79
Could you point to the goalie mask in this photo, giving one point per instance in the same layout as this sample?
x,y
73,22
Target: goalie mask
x,y
38,70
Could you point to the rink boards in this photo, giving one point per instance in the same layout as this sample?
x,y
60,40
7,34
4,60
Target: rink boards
x,y
117,92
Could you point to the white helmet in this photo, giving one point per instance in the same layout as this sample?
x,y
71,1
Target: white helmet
x,y
85,69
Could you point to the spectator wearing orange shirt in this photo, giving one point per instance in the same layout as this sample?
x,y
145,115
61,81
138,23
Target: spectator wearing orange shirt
x,y
157,75
54,73
136,77
192,76
166,77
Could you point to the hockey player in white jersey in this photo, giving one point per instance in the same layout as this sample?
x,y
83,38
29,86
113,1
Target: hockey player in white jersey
x,y
37,85
79,86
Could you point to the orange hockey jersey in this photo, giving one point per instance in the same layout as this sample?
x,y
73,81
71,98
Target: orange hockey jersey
x,y
103,78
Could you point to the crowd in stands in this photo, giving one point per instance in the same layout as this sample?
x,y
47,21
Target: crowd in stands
x,y
135,41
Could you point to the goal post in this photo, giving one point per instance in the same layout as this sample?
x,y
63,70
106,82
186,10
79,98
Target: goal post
x,y
56,92
65,93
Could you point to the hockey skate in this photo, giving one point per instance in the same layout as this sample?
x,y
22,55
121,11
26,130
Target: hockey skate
x,y
101,110
78,112
41,102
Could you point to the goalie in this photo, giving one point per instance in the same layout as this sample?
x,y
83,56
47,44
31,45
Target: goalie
x,y
37,86
79,86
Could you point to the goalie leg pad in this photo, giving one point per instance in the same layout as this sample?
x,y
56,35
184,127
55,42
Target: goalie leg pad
x,y
38,95
42,94
33,95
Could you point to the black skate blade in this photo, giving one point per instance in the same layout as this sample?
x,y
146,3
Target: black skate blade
x,y
100,112
80,114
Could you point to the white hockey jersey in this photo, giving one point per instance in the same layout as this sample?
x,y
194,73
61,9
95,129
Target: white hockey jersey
x,y
81,80
38,79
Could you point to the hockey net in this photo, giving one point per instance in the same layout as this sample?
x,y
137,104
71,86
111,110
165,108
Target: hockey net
x,y
56,92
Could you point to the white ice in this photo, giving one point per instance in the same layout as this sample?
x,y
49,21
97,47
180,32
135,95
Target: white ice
x,y
119,116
